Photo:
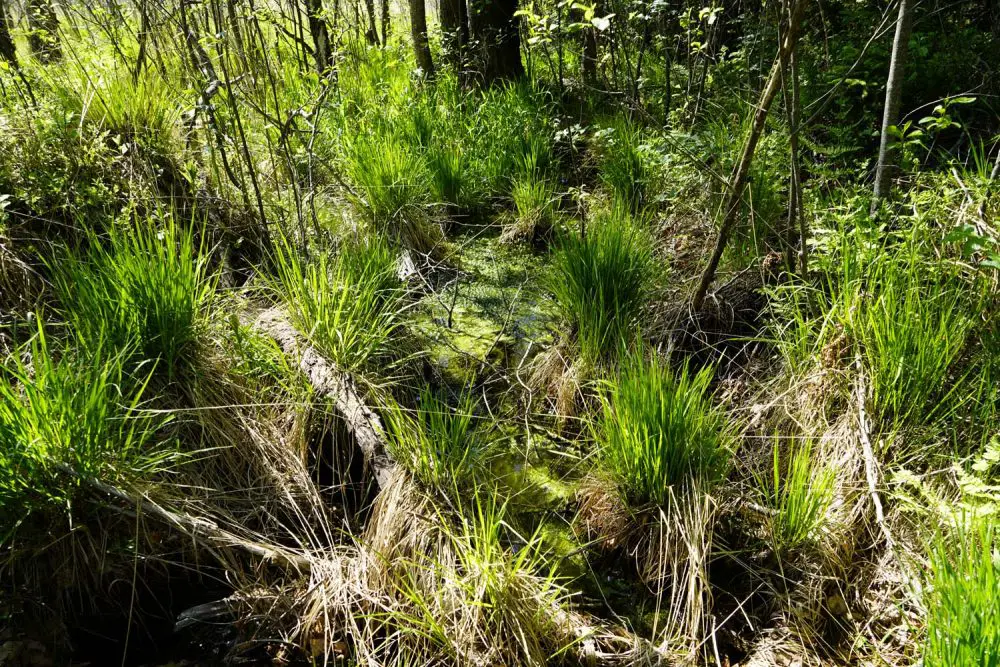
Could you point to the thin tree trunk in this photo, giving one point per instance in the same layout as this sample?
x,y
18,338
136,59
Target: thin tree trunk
x,y
143,38
795,232
893,100
589,56
371,35
320,35
385,22
8,50
44,36
418,29
497,33
451,13
738,180
800,212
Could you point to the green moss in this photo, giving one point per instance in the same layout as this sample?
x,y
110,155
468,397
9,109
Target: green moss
x,y
491,314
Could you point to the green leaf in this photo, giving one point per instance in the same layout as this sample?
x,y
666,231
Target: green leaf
x,y
602,23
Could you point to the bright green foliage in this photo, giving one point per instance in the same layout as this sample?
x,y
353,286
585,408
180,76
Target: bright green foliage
x,y
347,304
70,413
535,207
146,288
911,320
443,446
391,178
510,135
57,168
515,592
659,431
963,608
144,108
626,168
449,175
602,278
479,594
800,490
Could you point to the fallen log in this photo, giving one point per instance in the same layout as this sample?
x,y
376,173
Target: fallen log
x,y
330,382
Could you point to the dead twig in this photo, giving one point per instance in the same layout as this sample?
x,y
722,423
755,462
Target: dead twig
x,y
871,465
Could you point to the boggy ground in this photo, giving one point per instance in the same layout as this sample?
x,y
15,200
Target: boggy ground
x,y
389,371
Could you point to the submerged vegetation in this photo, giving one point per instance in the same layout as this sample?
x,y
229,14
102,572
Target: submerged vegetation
x,y
634,333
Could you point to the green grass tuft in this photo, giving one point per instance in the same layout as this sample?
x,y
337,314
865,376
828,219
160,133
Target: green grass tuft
x,y
625,168
800,490
659,431
69,413
148,288
963,608
346,304
602,279
443,446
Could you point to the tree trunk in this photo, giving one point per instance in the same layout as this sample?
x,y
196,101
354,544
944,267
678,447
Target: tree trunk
x,y
371,35
795,232
385,22
454,31
320,35
738,180
8,50
893,99
496,32
418,29
589,55
44,36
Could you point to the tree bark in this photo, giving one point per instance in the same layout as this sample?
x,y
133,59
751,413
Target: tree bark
x,y
738,180
796,232
44,36
418,30
320,33
589,55
385,22
371,35
893,100
496,32
8,50
454,31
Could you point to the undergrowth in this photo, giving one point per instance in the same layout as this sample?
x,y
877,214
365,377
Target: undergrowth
x,y
603,275
347,303
659,432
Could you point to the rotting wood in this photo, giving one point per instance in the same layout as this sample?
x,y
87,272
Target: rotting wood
x,y
361,421
591,644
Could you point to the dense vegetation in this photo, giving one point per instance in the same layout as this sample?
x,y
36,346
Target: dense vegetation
x,y
501,333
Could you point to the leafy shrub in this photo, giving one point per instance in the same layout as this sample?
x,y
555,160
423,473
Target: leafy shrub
x,y
659,431
601,280
57,170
